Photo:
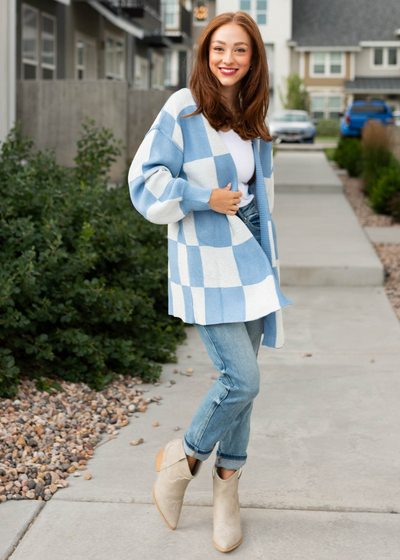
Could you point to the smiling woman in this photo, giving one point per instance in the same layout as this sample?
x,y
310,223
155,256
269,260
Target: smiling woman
x,y
205,168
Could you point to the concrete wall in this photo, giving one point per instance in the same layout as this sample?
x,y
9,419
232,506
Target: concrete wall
x,y
52,113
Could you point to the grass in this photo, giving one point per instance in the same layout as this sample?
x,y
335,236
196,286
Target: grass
x,y
329,152
327,138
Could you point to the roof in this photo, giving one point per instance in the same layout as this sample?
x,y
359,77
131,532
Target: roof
x,y
362,85
342,23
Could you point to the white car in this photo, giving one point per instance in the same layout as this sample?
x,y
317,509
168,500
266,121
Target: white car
x,y
396,117
292,126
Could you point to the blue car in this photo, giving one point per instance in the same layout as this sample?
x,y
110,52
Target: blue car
x,y
359,112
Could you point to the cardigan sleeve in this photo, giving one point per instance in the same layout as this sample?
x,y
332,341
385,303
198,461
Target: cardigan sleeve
x,y
156,190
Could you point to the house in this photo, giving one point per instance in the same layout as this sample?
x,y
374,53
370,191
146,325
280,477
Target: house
x,y
274,19
346,50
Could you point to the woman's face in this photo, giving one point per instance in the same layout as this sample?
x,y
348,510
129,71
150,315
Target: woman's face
x,y
230,54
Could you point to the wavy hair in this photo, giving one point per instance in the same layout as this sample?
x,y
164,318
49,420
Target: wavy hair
x,y
253,95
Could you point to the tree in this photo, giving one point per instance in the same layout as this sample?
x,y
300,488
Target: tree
x,y
296,94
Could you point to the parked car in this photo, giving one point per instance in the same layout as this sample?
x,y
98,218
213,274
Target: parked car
x,y
396,116
292,126
360,112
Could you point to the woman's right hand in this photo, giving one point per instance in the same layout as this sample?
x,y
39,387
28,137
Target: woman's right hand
x,y
224,201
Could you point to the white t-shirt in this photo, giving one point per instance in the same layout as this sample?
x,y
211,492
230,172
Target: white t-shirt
x,y
243,156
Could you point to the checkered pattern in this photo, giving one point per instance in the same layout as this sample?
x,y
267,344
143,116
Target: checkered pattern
x,y
217,271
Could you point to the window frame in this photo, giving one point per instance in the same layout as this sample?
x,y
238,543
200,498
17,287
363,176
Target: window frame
x,y
254,11
175,14
116,39
327,64
36,63
138,71
157,65
326,97
385,64
89,40
45,65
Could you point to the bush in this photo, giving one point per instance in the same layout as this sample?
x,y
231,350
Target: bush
x,y
328,127
377,154
394,207
83,276
349,155
385,187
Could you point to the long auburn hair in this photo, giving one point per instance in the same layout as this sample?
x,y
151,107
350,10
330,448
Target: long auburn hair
x,y
253,94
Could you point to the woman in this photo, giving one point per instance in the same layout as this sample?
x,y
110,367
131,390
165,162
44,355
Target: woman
x,y
205,169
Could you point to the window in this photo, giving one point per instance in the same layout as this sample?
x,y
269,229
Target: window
x,y
30,31
38,44
141,72
86,57
335,62
319,63
114,59
257,9
326,107
378,57
334,107
48,47
385,58
201,12
157,78
317,107
329,64
171,14
392,57
168,68
261,12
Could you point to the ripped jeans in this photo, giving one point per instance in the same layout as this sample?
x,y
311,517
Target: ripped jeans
x,y
224,414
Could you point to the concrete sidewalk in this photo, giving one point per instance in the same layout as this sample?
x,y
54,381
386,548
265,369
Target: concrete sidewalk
x,y
321,479
297,171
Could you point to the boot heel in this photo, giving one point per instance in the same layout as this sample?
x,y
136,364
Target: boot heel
x,y
159,459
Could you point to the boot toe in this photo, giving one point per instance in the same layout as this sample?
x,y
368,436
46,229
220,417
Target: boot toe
x,y
169,508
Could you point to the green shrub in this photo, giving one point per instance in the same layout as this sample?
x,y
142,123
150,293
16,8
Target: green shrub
x,y
349,155
83,276
377,154
328,127
385,187
394,207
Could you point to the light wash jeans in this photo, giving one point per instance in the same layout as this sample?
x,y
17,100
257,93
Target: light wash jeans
x,y
224,414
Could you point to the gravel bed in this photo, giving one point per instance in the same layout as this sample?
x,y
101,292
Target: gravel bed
x,y
45,437
353,190
389,254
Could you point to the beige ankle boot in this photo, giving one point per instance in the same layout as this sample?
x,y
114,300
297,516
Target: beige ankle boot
x,y
175,475
227,533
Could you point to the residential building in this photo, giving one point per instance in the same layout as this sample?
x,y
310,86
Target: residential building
x,y
177,19
346,50
145,43
91,40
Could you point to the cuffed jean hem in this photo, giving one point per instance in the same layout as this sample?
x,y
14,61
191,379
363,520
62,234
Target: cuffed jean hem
x,y
229,462
193,451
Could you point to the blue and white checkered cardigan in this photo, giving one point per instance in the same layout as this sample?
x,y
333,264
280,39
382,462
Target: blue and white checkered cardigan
x,y
217,271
